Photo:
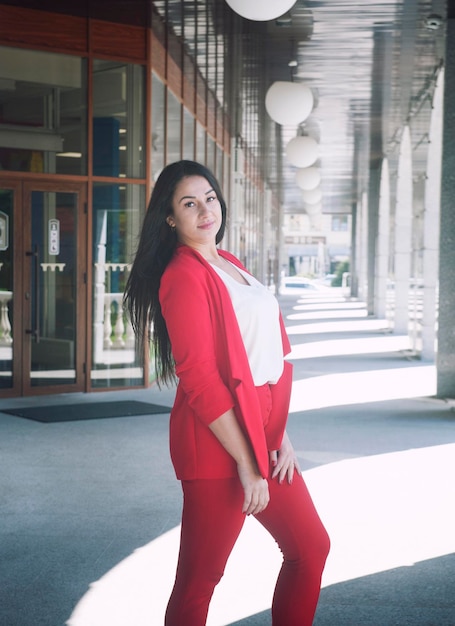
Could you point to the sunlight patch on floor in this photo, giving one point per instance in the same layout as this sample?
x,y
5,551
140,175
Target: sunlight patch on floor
x,y
326,306
382,512
344,326
317,314
346,347
392,510
359,387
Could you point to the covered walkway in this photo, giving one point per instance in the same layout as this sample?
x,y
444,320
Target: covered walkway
x,y
90,509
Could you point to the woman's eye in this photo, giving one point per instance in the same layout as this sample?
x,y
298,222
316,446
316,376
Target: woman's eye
x,y
211,198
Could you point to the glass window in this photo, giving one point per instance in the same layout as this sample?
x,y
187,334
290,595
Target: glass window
x,y
118,119
158,119
226,171
117,216
210,153
188,135
200,143
174,132
340,223
219,165
43,112
6,287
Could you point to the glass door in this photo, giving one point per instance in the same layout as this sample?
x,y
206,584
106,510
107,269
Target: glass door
x,y
54,341
42,288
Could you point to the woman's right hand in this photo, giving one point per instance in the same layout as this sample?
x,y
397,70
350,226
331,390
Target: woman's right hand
x,y
255,488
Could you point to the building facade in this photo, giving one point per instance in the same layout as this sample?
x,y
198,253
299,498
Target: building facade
x,y
92,107
96,98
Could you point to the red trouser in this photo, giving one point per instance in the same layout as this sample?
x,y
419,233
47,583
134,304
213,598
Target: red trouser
x,y
211,522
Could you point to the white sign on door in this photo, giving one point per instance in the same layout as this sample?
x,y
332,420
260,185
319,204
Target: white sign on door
x,y
54,237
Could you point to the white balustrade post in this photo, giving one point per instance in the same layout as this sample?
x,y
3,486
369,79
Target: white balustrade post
x,y
119,326
107,321
5,325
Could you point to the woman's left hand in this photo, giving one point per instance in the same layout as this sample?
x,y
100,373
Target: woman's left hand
x,y
284,461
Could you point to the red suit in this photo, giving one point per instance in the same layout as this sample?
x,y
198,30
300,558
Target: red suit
x,y
214,377
213,371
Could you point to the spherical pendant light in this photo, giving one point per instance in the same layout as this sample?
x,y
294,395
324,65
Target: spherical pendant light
x,y
260,10
289,103
302,151
312,196
308,178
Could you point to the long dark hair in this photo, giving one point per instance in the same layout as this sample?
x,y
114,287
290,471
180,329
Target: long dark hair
x,y
157,244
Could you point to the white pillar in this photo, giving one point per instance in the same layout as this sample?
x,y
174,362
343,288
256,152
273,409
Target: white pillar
x,y
431,223
403,234
362,235
382,247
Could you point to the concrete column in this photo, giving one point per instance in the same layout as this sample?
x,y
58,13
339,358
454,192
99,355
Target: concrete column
x,y
382,247
372,230
353,265
431,227
362,246
446,325
403,234
380,99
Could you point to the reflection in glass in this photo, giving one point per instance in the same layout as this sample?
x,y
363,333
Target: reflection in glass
x,y
6,288
226,170
117,214
188,135
118,119
158,119
200,143
210,153
43,123
174,131
219,166
53,288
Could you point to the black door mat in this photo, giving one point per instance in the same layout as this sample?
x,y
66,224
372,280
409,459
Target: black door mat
x,y
89,411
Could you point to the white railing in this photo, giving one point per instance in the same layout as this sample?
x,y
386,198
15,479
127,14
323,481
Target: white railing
x,y
5,324
118,332
113,336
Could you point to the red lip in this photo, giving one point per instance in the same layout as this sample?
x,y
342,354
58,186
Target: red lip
x,y
206,225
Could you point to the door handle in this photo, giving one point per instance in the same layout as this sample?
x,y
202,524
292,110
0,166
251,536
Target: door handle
x,y
35,331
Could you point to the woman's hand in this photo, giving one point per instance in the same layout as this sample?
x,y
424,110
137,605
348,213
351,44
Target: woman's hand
x,y
284,461
255,488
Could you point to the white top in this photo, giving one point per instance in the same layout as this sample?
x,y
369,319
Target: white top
x,y
257,312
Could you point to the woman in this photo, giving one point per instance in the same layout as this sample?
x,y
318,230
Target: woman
x,y
220,332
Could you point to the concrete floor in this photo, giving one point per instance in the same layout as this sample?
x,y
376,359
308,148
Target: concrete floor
x,y
89,510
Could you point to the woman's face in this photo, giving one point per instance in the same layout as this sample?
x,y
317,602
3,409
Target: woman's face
x,y
196,212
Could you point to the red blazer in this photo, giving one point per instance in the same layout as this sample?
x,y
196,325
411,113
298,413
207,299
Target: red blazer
x,y
213,371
